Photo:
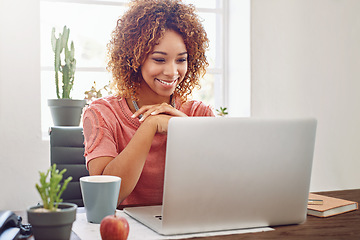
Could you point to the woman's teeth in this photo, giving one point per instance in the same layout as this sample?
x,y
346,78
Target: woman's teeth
x,y
166,83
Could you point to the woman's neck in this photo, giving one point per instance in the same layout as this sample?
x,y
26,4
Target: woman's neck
x,y
144,100
148,97
151,101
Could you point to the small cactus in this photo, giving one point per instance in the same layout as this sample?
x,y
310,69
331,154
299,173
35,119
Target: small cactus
x,y
67,65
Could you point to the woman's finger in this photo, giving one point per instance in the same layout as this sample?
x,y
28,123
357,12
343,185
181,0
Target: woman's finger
x,y
141,111
164,108
155,110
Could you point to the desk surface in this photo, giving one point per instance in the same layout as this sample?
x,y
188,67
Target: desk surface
x,y
343,226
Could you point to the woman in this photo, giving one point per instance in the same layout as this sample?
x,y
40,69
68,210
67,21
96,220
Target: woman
x,y
156,57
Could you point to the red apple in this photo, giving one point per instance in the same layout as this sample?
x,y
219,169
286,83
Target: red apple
x,y
113,227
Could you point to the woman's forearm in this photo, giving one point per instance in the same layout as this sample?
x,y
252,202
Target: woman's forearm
x,y
130,162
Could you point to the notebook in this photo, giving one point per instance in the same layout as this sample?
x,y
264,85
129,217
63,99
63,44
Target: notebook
x,y
233,173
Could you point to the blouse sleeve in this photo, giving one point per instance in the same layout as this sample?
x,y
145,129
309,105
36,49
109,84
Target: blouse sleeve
x,y
197,108
98,137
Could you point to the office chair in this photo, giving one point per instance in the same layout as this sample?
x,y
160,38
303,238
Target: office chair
x,y
67,151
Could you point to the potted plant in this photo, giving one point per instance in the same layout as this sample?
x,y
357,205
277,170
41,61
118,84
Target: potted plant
x,y
64,110
53,219
94,93
222,111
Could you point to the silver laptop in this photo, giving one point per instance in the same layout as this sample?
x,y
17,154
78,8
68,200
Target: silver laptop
x,y
233,173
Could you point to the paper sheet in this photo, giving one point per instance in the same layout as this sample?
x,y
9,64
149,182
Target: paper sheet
x,y
89,231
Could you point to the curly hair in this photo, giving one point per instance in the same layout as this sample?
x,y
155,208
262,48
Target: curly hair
x,y
140,29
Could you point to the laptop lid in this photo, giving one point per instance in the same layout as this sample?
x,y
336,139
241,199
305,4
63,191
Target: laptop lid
x,y
232,173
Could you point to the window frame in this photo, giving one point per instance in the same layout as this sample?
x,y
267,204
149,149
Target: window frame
x,y
221,91
222,10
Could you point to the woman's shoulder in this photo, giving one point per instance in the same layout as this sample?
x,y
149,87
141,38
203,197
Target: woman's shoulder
x,y
110,100
105,106
196,108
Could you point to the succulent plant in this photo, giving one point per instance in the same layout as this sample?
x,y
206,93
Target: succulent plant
x,y
64,62
50,189
222,112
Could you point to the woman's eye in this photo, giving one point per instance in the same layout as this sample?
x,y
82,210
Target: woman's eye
x,y
181,60
159,60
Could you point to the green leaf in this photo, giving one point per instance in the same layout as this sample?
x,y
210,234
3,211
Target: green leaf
x,y
50,188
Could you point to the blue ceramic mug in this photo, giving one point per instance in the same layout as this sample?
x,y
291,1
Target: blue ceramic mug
x,y
100,195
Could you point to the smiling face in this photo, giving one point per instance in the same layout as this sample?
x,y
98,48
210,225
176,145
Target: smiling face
x,y
165,67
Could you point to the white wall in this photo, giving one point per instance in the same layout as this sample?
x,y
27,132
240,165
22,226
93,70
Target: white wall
x,y
306,62
22,152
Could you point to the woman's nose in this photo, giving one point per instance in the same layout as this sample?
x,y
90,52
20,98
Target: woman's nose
x,y
171,69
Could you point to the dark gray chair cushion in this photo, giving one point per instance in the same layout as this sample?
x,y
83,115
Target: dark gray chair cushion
x,y
67,151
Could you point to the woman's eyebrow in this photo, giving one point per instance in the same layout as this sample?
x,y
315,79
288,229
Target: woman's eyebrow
x,y
164,53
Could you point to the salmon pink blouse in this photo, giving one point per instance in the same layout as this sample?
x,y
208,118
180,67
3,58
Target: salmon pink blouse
x,y
108,127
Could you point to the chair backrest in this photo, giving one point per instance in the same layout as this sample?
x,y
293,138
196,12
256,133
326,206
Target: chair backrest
x,y
67,151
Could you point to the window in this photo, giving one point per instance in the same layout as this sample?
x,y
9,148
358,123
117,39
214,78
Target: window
x,y
91,23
